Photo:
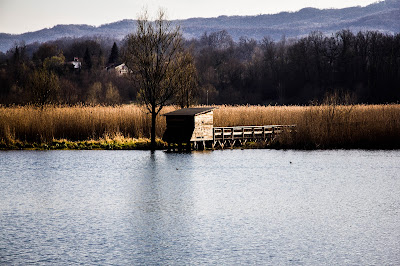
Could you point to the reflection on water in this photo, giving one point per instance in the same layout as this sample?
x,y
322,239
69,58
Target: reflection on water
x,y
221,207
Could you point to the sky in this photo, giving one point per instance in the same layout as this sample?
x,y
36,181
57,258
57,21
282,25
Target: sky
x,y
19,16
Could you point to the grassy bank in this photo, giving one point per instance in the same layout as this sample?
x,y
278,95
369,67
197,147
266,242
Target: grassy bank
x,y
128,126
101,144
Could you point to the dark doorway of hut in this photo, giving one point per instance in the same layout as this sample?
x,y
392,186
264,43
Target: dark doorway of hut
x,y
189,129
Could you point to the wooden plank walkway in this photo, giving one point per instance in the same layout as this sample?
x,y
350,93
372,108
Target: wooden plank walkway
x,y
223,136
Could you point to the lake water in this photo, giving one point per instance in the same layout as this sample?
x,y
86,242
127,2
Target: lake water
x,y
223,207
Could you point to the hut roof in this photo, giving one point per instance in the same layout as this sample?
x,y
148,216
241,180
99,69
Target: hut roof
x,y
190,111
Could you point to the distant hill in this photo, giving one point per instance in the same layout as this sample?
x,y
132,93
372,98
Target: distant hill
x,y
382,16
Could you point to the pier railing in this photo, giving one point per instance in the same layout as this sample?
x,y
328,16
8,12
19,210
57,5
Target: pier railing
x,y
230,135
237,136
248,132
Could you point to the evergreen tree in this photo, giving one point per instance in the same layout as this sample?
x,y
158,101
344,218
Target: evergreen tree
x,y
114,56
87,59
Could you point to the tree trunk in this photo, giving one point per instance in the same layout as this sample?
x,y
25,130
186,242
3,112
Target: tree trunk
x,y
153,127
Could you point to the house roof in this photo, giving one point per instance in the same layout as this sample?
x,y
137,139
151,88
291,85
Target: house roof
x,y
120,65
190,111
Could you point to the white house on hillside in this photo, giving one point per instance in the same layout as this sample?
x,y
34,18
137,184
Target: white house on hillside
x,y
76,63
119,70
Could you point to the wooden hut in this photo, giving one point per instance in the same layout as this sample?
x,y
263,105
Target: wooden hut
x,y
189,126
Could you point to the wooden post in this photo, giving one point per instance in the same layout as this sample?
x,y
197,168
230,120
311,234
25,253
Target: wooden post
x,y
213,137
233,144
263,133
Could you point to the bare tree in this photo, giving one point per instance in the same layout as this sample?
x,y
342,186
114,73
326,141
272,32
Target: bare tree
x,y
185,81
44,86
151,55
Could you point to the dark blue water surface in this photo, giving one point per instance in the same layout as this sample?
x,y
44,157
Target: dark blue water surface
x,y
222,207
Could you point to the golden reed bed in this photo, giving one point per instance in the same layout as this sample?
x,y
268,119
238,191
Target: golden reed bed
x,y
323,126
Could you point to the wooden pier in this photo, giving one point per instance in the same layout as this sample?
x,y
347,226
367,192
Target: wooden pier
x,y
230,136
193,128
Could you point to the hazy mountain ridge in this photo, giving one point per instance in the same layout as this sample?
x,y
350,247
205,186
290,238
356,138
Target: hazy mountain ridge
x,y
381,16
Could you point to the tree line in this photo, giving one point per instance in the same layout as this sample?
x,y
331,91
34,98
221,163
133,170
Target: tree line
x,y
365,66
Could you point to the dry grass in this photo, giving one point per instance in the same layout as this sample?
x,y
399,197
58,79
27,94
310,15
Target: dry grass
x,y
324,126
356,126
256,115
32,124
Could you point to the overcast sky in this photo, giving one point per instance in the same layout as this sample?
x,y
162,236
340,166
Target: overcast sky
x,y
18,16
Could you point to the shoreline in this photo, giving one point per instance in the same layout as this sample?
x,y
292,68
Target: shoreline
x,y
125,144
320,127
144,144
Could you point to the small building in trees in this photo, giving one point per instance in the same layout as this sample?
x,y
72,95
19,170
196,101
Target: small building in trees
x,y
189,125
119,70
76,64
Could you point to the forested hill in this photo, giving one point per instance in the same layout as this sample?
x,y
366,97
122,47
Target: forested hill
x,y
382,16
